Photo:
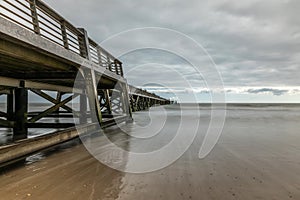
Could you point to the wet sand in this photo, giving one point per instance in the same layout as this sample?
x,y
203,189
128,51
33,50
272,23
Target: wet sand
x,y
257,157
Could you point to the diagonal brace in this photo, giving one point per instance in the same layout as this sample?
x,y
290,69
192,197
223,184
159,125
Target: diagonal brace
x,y
52,109
52,100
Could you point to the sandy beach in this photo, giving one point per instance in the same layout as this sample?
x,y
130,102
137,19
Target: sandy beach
x,y
257,157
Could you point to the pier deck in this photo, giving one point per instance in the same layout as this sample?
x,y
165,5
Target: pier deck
x,y
41,52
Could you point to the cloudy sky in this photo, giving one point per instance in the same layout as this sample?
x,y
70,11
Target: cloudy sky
x,y
255,45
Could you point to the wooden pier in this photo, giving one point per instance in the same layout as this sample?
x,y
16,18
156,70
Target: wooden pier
x,y
40,51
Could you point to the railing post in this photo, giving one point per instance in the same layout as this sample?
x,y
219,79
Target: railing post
x,y
116,67
84,44
109,63
99,56
34,16
119,67
64,34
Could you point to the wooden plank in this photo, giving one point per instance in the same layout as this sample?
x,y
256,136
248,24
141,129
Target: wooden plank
x,y
51,87
40,75
49,125
8,153
28,146
4,81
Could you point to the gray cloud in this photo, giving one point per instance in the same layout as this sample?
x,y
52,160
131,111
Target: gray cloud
x,y
254,43
275,92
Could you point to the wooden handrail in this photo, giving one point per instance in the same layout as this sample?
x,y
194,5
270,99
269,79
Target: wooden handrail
x,y
44,16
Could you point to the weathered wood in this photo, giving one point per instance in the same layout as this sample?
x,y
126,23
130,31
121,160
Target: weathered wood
x,y
31,56
29,61
127,101
51,87
4,91
84,45
6,123
91,90
3,114
49,125
83,109
58,99
21,107
10,105
64,34
51,109
19,43
40,75
52,115
108,102
27,146
34,15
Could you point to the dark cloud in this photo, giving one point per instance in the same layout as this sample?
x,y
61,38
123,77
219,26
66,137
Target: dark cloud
x,y
276,92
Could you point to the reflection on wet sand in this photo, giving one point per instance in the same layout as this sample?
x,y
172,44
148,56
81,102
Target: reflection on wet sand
x,y
68,174
257,157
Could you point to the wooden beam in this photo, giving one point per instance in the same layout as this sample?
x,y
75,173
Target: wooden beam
x,y
34,56
40,75
52,115
5,91
6,123
49,125
51,109
12,82
51,87
31,145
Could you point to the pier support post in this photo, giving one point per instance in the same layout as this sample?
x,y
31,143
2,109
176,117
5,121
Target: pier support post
x,y
126,103
83,109
137,105
10,105
91,90
21,107
108,103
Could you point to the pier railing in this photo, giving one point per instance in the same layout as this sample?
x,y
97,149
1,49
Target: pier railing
x,y
44,21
